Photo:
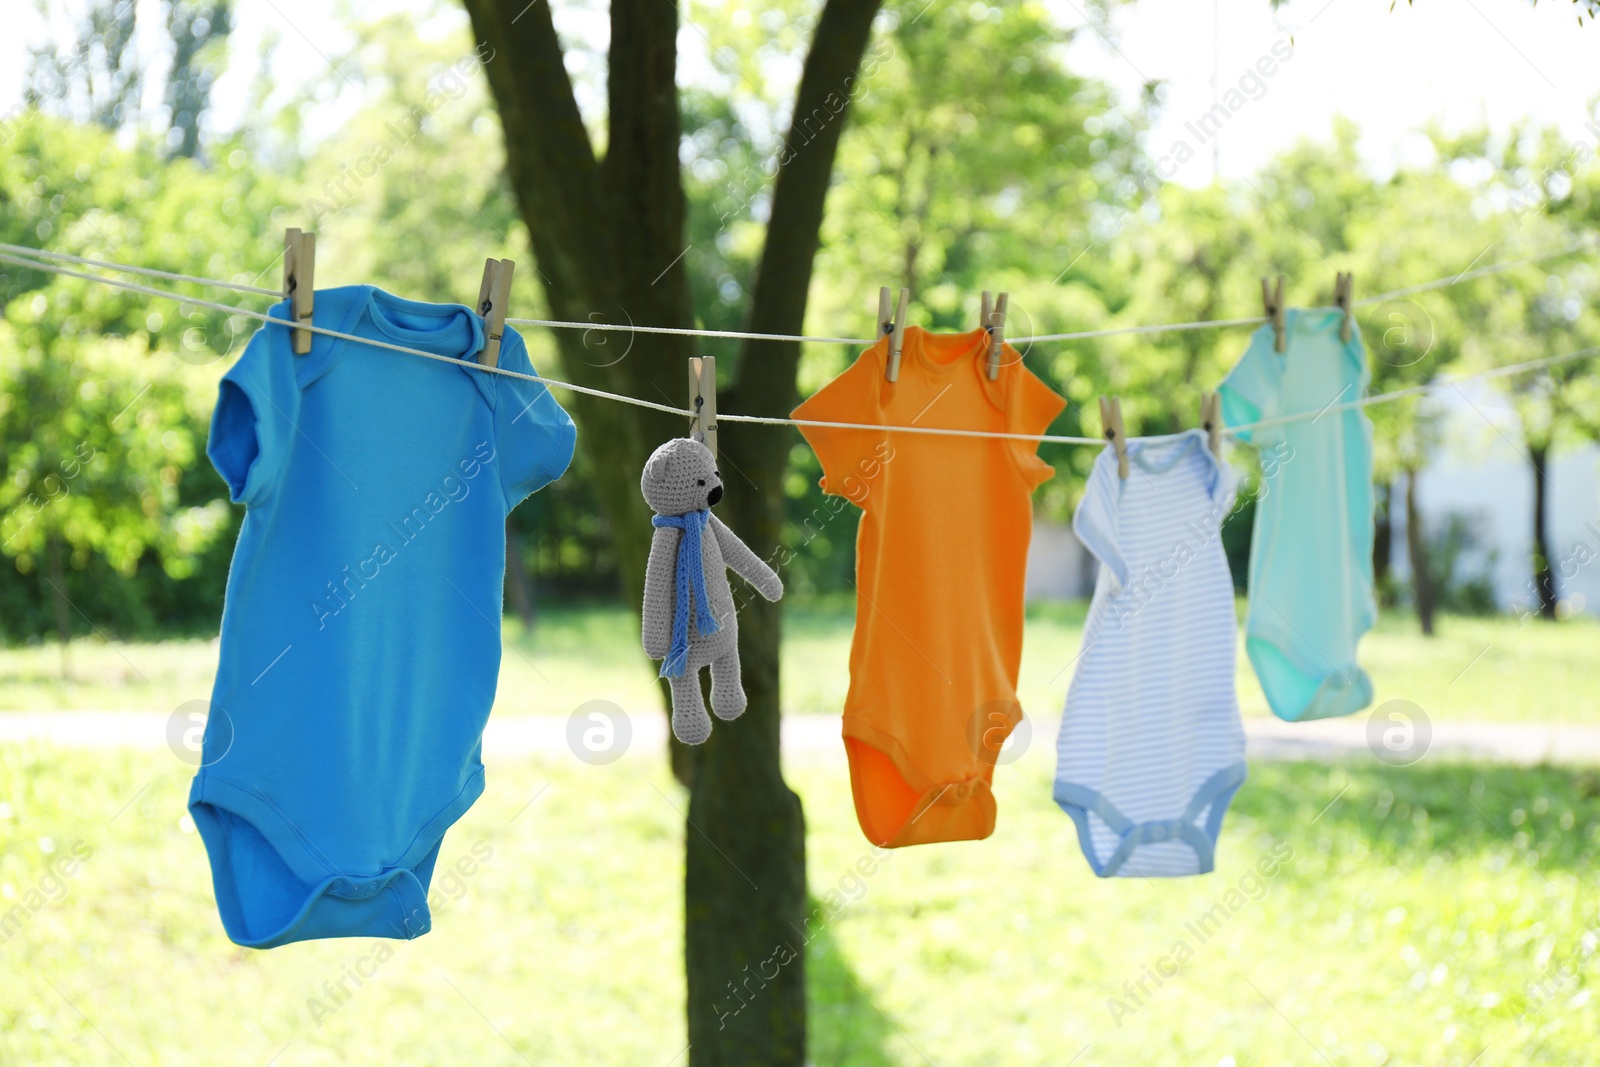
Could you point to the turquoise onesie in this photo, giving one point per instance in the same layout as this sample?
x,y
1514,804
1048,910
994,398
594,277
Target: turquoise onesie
x,y
1311,552
361,626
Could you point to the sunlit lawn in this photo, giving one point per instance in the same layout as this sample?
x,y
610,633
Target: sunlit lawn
x,y
1411,918
1475,669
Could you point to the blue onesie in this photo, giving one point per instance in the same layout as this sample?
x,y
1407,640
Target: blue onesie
x,y
361,629
1311,552
1151,748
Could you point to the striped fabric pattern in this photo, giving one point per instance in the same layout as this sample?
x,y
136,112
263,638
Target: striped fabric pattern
x,y
1151,747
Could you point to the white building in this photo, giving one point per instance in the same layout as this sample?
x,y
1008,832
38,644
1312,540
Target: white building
x,y
1480,472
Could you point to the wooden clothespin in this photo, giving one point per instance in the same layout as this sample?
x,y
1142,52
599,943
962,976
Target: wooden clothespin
x,y
1111,421
985,309
997,334
1344,284
494,295
1272,307
299,282
885,311
1211,420
703,400
896,331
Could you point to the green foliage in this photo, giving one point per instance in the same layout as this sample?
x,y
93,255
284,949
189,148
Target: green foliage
x,y
96,465
100,75
1547,187
410,194
199,31
105,394
962,173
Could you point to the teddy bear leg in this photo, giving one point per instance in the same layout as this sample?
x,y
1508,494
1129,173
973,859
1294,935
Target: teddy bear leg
x,y
727,691
690,723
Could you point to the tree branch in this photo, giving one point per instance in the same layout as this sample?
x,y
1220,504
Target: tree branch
x,y
548,155
642,171
832,77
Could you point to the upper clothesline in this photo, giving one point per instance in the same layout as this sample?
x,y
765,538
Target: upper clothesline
x,y
1437,283
740,335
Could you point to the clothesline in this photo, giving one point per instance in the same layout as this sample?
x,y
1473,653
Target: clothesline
x,y
126,268
1420,390
739,335
261,316
1231,431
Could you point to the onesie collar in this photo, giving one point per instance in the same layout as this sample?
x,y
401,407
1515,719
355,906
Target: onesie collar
x,y
1157,455
452,330
444,329
946,354
943,353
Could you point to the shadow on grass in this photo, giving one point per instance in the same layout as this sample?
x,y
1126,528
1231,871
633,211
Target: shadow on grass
x,y
1548,816
844,1028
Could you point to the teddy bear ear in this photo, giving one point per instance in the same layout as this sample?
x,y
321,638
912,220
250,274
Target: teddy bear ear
x,y
698,437
659,466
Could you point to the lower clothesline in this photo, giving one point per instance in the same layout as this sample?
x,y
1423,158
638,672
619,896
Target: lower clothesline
x,y
1231,431
1228,431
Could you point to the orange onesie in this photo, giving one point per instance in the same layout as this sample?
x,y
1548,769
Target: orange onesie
x,y
940,559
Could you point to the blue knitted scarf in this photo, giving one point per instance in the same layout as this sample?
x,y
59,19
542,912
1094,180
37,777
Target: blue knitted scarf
x,y
691,577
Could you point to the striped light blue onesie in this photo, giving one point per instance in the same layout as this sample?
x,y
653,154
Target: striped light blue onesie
x,y
1151,748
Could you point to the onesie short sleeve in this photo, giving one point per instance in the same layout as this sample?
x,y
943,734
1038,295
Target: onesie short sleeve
x,y
1095,521
1032,408
258,403
534,437
1253,390
848,456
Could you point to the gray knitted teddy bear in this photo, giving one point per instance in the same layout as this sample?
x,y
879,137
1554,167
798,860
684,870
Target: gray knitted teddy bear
x,y
689,619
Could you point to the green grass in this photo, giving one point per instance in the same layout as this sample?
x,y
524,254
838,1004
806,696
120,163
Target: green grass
x,y
1476,669
1409,919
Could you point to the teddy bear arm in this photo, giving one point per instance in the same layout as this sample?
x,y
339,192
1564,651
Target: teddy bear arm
x,y
658,591
745,563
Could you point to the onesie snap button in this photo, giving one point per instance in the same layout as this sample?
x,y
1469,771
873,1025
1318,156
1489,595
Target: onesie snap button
x,y
957,793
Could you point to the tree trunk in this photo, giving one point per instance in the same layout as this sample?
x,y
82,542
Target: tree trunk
x,y
518,594
63,607
750,817
608,238
1544,578
1382,533
1417,551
